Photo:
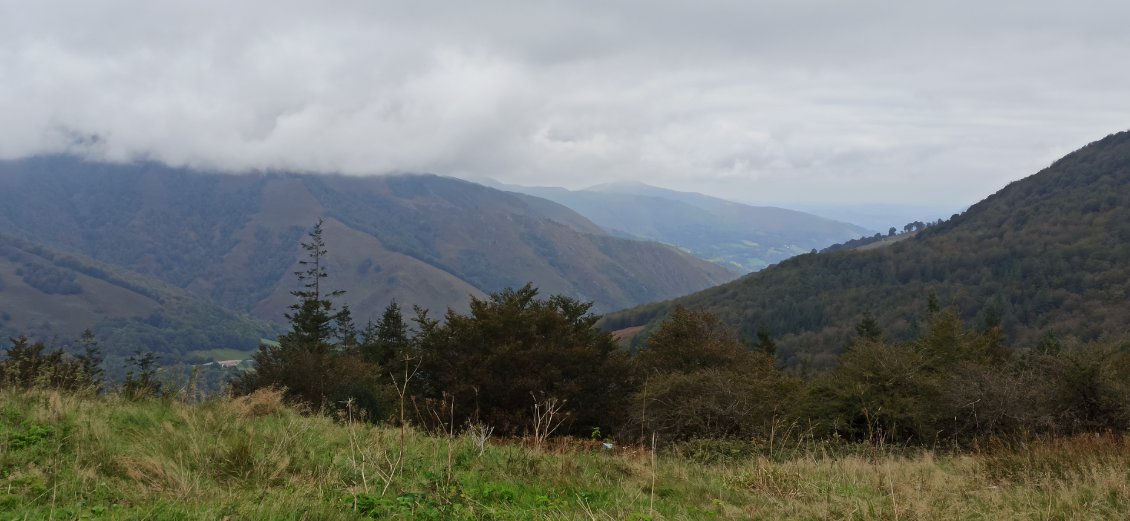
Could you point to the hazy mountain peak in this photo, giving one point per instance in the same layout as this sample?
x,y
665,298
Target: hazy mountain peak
x,y
632,186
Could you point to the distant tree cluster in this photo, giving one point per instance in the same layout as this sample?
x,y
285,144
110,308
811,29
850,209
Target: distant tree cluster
x,y
855,243
911,227
49,279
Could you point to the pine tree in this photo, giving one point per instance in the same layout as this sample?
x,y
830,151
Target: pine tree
x,y
317,361
312,318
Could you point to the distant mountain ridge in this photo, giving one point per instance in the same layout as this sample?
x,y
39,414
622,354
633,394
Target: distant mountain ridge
x,y
419,239
1047,256
740,236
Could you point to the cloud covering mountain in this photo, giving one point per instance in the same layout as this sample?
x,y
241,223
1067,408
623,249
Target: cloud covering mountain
x,y
768,101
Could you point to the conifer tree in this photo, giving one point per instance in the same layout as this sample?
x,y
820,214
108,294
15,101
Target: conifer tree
x,y
868,329
765,342
312,318
317,360
387,338
91,359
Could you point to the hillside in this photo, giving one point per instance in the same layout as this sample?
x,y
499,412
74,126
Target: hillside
x,y
47,294
743,237
419,239
1046,255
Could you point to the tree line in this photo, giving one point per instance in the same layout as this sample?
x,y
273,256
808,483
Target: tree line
x,y
526,365
515,356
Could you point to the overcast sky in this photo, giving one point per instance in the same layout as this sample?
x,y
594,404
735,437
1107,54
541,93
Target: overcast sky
x,y
932,103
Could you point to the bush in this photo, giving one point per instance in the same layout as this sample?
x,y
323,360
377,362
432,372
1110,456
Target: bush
x,y
485,366
1089,388
880,393
700,381
32,365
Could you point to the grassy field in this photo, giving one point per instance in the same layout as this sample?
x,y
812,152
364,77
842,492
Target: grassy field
x,y
220,354
66,456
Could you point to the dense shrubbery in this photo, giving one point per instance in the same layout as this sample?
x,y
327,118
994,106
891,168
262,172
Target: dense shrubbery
x,y
953,384
32,365
514,358
699,380
514,351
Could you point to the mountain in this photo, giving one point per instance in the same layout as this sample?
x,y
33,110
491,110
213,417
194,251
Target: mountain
x,y
745,238
233,240
47,294
1048,256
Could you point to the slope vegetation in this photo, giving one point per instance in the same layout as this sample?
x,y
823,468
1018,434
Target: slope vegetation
x,y
1048,256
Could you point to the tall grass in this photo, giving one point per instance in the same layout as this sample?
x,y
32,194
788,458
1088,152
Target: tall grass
x,y
67,456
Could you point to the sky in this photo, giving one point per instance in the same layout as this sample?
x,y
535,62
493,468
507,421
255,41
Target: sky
x,y
790,102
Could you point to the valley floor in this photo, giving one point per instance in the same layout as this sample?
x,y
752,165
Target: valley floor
x,y
66,456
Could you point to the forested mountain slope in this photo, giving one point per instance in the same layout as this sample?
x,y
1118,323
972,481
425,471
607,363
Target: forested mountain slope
x,y
419,239
740,236
51,295
1047,255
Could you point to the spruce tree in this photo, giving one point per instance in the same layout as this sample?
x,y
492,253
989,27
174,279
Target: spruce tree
x,y
387,338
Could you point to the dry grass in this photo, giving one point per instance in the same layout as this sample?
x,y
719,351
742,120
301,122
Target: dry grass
x,y
67,456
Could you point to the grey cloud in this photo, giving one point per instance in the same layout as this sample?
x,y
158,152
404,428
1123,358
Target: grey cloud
x,y
764,101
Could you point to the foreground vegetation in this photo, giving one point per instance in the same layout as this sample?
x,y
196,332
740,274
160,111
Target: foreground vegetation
x,y
74,455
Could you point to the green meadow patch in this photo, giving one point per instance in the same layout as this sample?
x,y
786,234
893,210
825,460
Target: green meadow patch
x,y
220,354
